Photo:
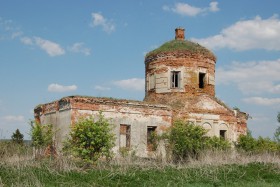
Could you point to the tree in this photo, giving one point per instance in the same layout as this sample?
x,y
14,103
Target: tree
x,y
90,139
17,137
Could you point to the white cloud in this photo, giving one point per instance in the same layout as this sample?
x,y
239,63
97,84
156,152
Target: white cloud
x,y
61,88
13,32
131,84
52,48
102,88
185,9
252,77
262,101
99,20
213,7
256,33
26,40
13,119
79,48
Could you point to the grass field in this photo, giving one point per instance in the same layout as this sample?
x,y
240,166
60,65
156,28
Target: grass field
x,y
19,168
253,174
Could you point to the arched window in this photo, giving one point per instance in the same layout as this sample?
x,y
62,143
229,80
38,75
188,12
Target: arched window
x,y
208,127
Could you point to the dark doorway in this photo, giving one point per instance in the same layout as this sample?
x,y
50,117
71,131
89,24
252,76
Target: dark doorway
x,y
151,138
223,134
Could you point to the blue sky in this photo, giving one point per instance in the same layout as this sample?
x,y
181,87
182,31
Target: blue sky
x,y
51,49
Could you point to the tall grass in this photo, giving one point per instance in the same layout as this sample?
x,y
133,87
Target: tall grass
x,y
212,168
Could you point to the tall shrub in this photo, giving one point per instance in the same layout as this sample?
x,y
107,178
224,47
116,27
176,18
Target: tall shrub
x,y
251,145
186,139
216,143
90,139
189,140
42,138
246,143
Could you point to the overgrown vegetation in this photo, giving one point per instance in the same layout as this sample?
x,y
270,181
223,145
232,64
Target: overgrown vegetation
x,y
11,149
187,140
251,145
45,174
91,139
42,138
209,161
178,45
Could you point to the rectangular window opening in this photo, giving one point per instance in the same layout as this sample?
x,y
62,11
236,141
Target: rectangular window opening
x,y
223,134
201,80
152,81
175,79
124,136
151,138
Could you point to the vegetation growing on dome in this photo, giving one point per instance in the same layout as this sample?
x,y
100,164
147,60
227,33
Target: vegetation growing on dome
x,y
179,45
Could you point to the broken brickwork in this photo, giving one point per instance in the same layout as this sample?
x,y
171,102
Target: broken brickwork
x,y
139,116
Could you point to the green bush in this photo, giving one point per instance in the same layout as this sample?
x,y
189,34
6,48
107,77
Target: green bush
x,y
185,139
216,143
188,140
91,139
249,144
266,145
42,138
246,143
41,135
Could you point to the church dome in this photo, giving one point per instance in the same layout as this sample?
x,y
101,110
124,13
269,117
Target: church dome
x,y
180,47
179,68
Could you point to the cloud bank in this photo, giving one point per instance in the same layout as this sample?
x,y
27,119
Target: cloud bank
x,y
243,35
255,77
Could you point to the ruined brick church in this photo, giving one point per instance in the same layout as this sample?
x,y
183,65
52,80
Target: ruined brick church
x,y
179,84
